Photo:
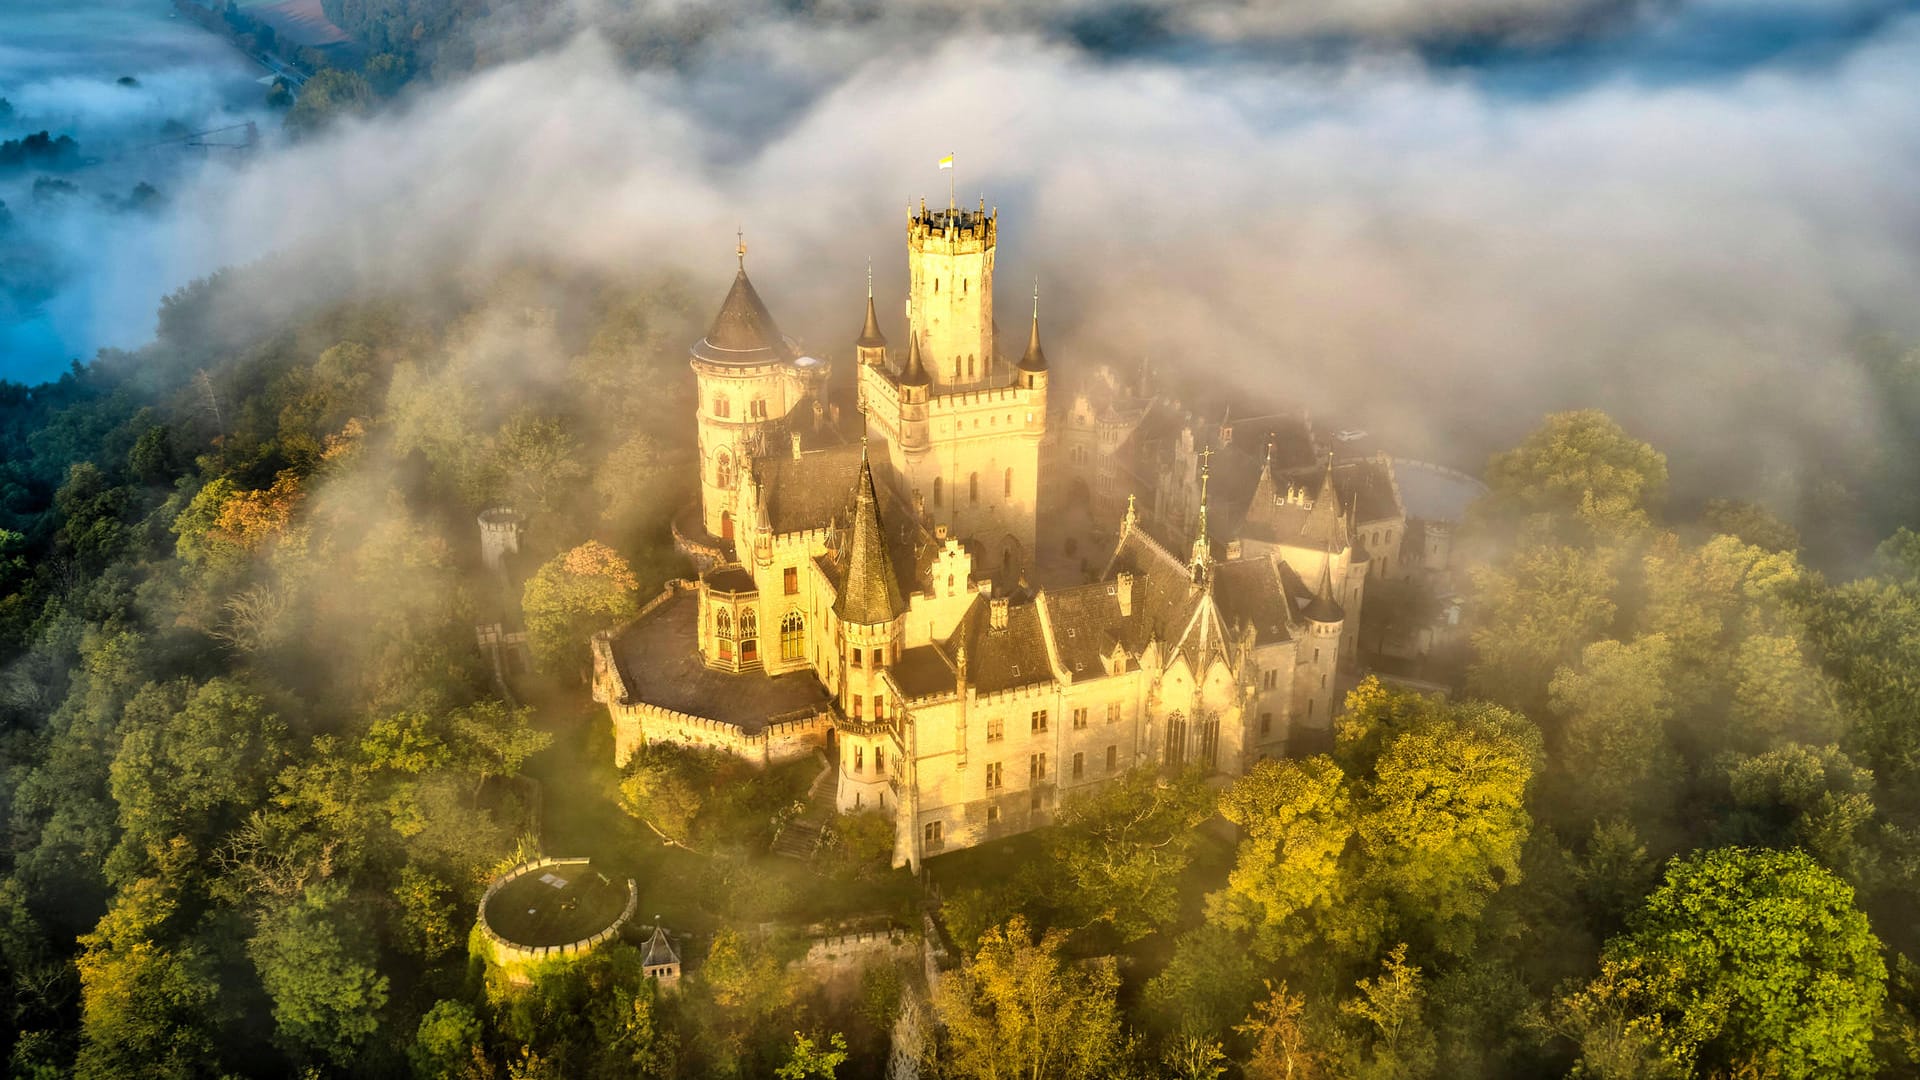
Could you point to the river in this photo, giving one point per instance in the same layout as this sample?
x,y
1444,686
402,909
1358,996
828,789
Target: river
x,y
82,259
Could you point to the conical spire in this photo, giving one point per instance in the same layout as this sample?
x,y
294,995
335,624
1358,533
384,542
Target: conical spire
x,y
1325,525
743,331
870,335
1035,358
1324,607
915,373
869,593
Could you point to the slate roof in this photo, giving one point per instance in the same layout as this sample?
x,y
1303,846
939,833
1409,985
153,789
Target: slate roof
x,y
659,950
1002,659
1365,485
808,491
1251,592
1035,358
1320,523
869,592
744,331
915,373
870,335
659,659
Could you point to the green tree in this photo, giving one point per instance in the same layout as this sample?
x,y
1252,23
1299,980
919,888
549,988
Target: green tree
x,y
497,739
1532,615
1578,467
1779,695
1391,1008
580,591
1614,709
810,1059
1122,847
1752,523
665,789
328,96
1813,796
316,962
445,1041
146,1008
1286,881
1284,1046
1020,1008
1753,958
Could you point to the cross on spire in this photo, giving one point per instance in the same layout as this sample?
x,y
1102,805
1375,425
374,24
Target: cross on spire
x,y
740,252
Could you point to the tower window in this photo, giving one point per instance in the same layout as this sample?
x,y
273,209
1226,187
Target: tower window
x,y
1009,491
970,369
758,408
790,579
793,636
973,488
723,470
936,491
720,407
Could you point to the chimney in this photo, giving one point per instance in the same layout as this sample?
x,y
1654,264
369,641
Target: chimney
x,y
997,613
1123,591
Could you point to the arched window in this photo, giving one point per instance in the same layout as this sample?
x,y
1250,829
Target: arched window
x,y
956,367
973,488
723,631
749,635
793,636
720,407
936,491
969,365
1009,483
723,470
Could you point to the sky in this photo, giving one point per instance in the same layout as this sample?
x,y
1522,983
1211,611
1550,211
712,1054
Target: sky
x,y
1435,220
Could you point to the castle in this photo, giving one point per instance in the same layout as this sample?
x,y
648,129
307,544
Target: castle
x,y
874,584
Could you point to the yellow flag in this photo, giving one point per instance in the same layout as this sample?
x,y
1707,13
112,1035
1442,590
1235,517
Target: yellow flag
x,y
947,162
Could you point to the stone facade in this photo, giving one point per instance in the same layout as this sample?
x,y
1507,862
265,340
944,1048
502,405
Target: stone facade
x,y
874,597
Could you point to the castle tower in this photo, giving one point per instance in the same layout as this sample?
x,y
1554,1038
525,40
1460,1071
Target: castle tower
x,y
745,379
950,293
870,607
1314,683
1033,363
915,385
871,345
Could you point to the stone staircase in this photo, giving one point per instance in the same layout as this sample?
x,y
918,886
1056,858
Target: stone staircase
x,y
800,836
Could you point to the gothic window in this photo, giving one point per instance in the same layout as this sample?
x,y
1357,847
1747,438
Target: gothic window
x,y
723,623
1176,748
969,365
723,470
936,491
720,407
793,636
749,635
956,367
973,488
1210,743
1009,491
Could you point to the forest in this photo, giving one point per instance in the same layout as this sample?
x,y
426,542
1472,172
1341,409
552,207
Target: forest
x,y
256,774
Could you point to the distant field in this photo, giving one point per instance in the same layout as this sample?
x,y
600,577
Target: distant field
x,y
299,22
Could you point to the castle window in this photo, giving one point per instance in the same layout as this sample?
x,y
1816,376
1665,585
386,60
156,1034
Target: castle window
x,y
858,712
956,367
930,832
793,636
936,491
1113,757
993,815
879,714
879,752
790,578
1080,719
1176,748
1113,713
749,636
859,759
1037,767
723,470
1309,708
1039,720
721,408
970,373
1009,483
996,728
1079,765
758,408
963,286
1323,680
1266,723
858,660
993,776
723,623
973,488
1270,679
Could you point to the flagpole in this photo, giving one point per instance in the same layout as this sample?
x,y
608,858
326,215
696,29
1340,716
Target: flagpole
x,y
951,203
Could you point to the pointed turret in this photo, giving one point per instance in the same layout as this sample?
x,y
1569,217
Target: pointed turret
x,y
744,331
869,592
1324,608
915,373
1325,524
1035,358
872,344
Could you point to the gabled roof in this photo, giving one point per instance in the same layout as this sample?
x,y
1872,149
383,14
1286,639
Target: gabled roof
x,y
869,592
744,331
1318,524
659,950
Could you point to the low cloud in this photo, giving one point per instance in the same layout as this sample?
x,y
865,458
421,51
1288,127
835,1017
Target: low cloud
x,y
1411,248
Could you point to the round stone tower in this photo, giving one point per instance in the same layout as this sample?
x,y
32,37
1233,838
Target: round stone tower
x,y
744,369
500,531
870,608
